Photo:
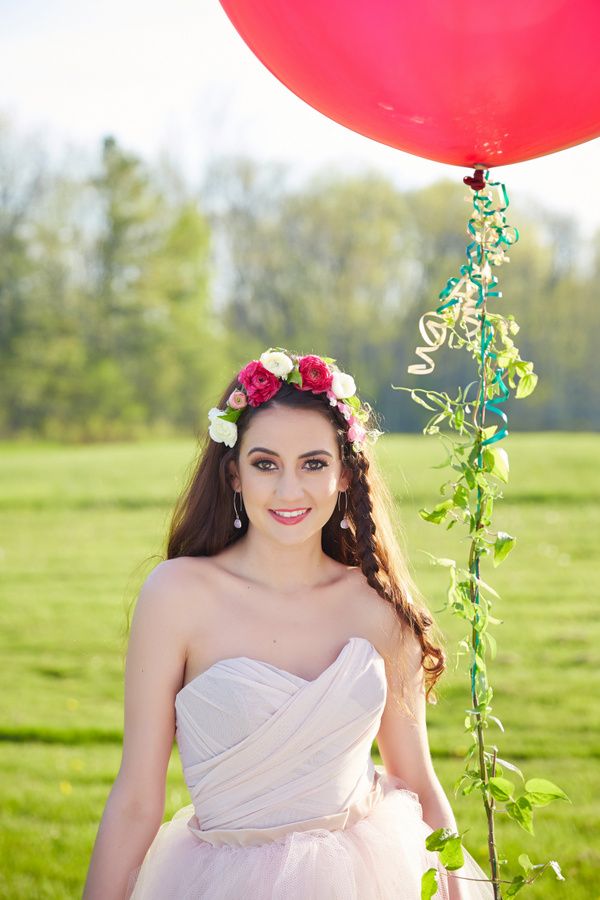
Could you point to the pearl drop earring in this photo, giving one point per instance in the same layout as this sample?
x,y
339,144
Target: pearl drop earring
x,y
344,523
237,522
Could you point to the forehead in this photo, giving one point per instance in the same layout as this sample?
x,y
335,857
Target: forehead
x,y
277,427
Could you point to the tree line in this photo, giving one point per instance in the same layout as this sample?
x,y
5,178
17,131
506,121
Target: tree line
x,y
129,297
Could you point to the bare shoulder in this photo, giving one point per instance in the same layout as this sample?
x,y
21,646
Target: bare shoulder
x,y
378,618
176,574
173,608
157,598
172,583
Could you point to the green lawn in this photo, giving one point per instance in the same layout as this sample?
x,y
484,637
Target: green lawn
x,y
78,529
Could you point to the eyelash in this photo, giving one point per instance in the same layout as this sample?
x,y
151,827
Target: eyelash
x,y
322,465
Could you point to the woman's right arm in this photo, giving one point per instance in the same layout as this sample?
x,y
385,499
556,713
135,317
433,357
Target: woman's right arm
x,y
153,674
123,837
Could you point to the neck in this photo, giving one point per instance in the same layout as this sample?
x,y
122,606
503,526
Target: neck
x,y
287,569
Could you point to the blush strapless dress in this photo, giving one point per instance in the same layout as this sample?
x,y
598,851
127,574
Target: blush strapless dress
x,y
286,801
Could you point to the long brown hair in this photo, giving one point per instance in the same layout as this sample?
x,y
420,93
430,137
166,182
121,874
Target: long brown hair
x,y
202,520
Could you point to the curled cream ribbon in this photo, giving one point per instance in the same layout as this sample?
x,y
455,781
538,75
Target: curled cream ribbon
x,y
437,327
433,326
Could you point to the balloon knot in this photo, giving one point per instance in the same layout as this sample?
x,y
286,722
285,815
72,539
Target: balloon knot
x,y
477,181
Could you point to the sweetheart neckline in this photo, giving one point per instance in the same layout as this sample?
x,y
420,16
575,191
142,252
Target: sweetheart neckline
x,y
262,662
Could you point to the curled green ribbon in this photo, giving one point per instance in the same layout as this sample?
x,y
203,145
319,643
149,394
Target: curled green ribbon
x,y
463,296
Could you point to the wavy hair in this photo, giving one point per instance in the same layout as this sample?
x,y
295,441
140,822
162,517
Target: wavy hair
x,y
202,521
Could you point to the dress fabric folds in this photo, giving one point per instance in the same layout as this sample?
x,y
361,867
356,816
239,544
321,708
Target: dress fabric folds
x,y
286,801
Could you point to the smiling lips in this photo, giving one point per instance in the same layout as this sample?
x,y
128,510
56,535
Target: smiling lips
x,y
290,516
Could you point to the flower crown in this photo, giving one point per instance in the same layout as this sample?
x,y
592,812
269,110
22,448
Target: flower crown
x,y
262,378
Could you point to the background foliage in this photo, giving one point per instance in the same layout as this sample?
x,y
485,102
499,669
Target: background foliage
x,y
127,297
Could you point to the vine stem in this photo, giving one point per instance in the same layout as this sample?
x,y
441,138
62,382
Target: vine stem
x,y
474,558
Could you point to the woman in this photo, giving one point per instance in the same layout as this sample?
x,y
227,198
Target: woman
x,y
276,642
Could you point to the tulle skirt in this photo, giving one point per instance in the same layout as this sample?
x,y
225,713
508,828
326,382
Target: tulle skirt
x,y
382,856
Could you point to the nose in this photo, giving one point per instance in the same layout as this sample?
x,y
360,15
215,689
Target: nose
x,y
289,489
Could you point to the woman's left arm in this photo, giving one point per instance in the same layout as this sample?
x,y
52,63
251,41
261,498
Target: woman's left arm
x,y
437,811
403,741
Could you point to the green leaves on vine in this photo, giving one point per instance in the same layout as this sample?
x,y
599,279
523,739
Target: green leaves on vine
x,y
502,547
448,844
478,469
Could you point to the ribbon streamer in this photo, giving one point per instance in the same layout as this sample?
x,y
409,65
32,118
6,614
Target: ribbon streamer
x,y
463,297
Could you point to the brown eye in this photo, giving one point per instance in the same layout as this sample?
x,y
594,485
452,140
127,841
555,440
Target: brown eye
x,y
320,465
259,467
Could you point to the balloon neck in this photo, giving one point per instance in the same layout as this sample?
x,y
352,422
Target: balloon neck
x,y
476,181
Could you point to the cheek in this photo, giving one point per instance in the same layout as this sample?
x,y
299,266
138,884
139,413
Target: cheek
x,y
256,483
330,485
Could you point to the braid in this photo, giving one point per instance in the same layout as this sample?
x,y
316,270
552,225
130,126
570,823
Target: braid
x,y
372,556
365,527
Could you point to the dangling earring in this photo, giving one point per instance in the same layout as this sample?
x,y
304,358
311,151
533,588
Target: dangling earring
x,y
237,522
344,523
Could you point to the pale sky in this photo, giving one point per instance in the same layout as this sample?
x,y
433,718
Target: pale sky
x,y
177,75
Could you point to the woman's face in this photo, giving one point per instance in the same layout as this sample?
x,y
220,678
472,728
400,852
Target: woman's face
x,y
289,461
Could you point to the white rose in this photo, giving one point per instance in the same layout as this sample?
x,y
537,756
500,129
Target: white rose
x,y
221,430
343,385
215,411
276,362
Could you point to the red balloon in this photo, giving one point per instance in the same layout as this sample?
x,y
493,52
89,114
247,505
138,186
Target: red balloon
x,y
463,83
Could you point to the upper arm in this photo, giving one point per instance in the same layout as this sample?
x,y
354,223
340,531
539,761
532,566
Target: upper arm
x,y
402,740
153,674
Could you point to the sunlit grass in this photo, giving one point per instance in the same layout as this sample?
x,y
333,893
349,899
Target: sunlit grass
x,y
78,529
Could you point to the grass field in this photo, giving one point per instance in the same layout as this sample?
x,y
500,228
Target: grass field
x,y
78,528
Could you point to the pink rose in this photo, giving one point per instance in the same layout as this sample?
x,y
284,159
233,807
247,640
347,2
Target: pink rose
x,y
316,376
260,384
237,400
356,432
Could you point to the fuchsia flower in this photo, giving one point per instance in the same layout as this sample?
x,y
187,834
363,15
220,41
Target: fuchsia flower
x,y
260,384
316,375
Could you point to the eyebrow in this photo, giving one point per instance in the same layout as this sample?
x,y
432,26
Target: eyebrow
x,y
301,456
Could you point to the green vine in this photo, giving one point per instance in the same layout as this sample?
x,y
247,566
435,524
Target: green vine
x,y
476,459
